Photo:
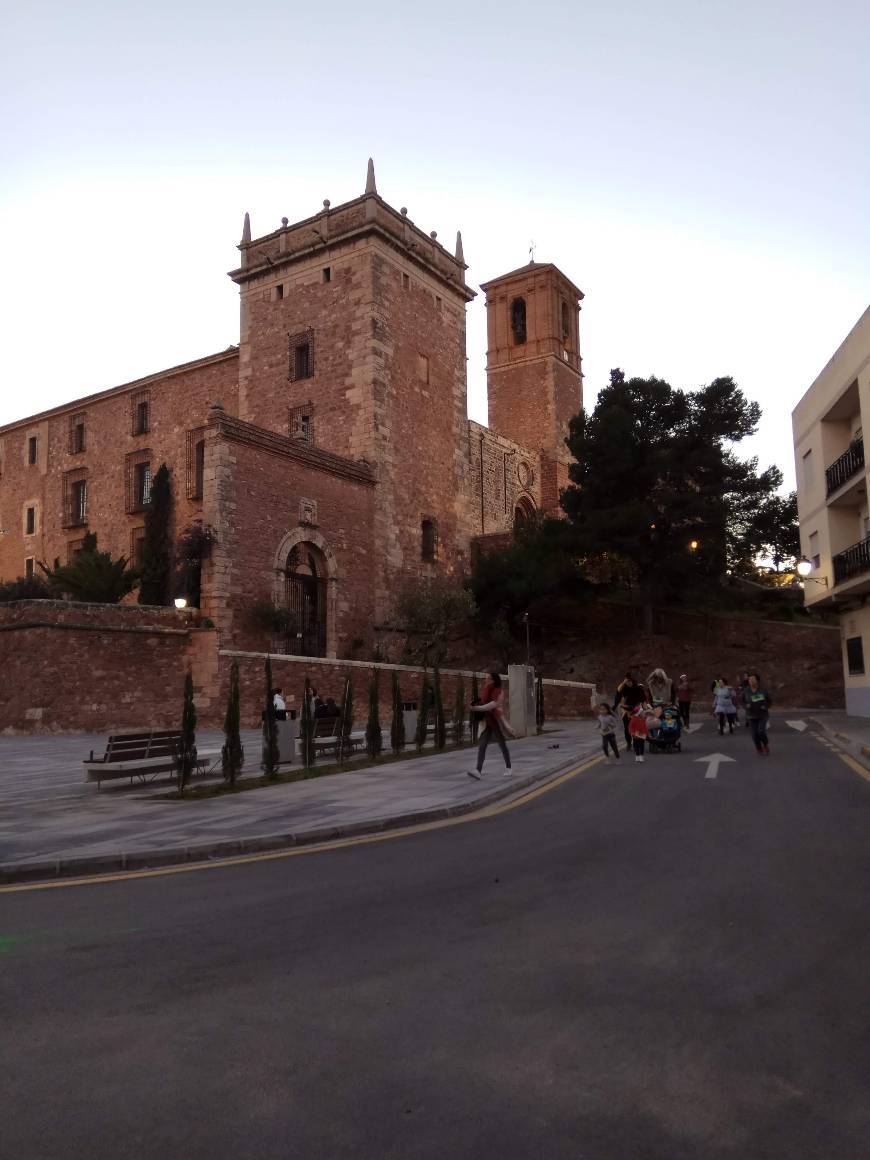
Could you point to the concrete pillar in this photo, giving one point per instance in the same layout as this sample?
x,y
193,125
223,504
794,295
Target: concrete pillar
x,y
521,679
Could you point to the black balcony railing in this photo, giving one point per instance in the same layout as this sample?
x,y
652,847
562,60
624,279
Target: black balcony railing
x,y
845,467
854,560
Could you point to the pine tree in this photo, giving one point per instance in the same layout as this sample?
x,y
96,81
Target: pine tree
x,y
157,545
187,746
374,740
397,725
474,718
345,720
438,707
270,728
422,713
232,753
458,724
539,704
307,724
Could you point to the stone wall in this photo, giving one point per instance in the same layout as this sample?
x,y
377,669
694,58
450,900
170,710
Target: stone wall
x,y
90,668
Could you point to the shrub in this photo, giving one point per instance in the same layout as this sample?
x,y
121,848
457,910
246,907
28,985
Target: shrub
x,y
397,725
374,740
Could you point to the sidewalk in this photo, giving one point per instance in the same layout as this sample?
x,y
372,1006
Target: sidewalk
x,y
852,732
52,823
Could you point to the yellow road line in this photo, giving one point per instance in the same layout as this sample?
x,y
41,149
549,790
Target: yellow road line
x,y
296,851
856,765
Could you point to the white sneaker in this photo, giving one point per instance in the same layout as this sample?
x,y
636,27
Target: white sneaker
x,y
476,774
640,759
637,759
508,772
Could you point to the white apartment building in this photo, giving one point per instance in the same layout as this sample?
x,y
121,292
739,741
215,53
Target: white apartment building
x,y
828,427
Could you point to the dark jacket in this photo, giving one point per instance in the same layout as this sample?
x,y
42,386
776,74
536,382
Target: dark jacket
x,y
757,703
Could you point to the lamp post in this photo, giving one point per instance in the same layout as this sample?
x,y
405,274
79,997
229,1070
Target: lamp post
x,y
528,649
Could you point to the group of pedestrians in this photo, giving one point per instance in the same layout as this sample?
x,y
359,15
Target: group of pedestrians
x,y
638,706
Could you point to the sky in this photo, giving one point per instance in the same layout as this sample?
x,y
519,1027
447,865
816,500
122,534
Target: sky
x,y
700,170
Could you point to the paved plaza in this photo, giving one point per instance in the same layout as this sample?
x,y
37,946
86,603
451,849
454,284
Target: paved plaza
x,y
49,815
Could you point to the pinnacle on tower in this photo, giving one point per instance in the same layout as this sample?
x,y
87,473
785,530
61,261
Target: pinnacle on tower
x,y
370,178
246,229
460,256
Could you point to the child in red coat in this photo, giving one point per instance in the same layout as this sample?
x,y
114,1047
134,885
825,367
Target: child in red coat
x,y
638,729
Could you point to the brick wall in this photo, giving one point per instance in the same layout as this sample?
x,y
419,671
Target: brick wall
x,y
510,474
90,668
178,402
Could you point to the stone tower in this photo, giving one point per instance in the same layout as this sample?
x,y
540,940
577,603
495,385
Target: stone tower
x,y
353,340
533,366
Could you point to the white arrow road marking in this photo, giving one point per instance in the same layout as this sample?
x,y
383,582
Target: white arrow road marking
x,y
714,760
799,725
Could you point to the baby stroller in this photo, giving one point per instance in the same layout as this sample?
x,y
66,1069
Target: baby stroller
x,y
665,732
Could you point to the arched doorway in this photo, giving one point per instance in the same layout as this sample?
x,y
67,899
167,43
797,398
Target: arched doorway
x,y
305,592
524,513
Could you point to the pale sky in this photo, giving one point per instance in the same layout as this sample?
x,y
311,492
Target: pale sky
x,y
700,170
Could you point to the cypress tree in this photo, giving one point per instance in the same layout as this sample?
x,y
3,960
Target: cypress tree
x,y
374,740
539,704
422,713
307,726
157,546
232,753
458,724
187,746
397,725
438,706
474,718
270,728
345,720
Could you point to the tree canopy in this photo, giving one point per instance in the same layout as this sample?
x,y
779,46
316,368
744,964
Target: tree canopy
x,y
656,481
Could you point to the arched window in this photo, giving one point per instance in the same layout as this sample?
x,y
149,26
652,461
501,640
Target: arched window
x,y
566,323
518,320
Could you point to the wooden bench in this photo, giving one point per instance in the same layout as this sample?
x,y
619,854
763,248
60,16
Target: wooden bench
x,y
142,755
326,735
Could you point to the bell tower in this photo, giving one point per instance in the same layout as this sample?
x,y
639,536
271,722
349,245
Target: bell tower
x,y
533,366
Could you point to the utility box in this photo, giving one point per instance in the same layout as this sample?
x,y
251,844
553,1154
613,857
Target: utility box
x,y
521,710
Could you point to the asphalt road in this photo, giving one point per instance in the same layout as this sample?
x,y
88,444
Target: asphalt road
x,y
641,963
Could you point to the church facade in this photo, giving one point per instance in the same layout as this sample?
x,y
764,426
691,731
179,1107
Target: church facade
x,y
328,458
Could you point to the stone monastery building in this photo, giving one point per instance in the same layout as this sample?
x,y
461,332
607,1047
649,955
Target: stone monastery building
x,y
329,454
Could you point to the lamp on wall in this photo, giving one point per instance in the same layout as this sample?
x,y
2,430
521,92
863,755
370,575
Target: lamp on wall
x,y
803,569
181,602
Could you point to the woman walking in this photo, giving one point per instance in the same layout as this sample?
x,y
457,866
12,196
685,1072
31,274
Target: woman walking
x,y
757,701
495,725
629,694
725,706
684,699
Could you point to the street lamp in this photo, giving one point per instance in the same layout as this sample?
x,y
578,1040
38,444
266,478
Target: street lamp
x,y
803,569
694,545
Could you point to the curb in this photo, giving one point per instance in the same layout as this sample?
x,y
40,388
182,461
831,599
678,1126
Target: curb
x,y
856,748
95,865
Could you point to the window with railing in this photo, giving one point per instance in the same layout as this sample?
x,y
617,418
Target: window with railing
x,y
852,562
301,352
77,433
300,423
75,498
842,469
137,480
140,412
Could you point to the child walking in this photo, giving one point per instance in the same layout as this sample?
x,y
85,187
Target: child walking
x,y
639,729
608,724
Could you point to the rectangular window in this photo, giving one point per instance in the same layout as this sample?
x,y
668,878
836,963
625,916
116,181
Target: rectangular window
x,y
406,281
72,549
327,273
855,655
423,368
30,521
28,567
301,348
429,539
31,450
140,412
77,434
815,558
75,498
137,480
279,291
808,472
195,462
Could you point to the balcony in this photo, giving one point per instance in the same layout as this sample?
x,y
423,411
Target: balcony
x,y
844,468
852,561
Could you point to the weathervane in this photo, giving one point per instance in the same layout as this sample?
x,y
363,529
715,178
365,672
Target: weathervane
x,y
532,251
